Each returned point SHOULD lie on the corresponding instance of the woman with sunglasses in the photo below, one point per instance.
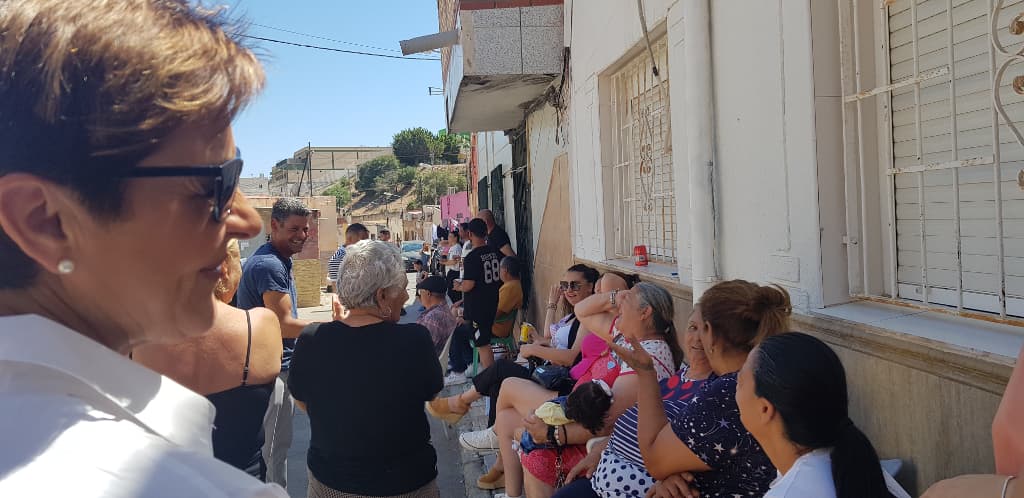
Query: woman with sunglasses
(118, 170)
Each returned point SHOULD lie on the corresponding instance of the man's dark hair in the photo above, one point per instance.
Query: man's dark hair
(478, 227)
(356, 229)
(384, 231)
(512, 265)
(86, 95)
(286, 207)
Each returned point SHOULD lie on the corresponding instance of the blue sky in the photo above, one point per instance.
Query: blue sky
(331, 98)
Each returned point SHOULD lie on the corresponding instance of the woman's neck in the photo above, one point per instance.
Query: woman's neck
(781, 451)
(700, 370)
(729, 362)
(47, 303)
(361, 317)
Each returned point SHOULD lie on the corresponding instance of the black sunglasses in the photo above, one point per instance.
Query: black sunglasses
(225, 179)
(571, 285)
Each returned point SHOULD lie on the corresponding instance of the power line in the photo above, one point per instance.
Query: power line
(325, 38)
(338, 49)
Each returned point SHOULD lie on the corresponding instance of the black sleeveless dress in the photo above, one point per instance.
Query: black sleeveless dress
(238, 426)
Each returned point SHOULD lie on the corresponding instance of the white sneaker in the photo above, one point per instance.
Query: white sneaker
(503, 495)
(482, 440)
(455, 378)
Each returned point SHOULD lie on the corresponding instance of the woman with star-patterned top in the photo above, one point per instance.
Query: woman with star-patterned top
(706, 442)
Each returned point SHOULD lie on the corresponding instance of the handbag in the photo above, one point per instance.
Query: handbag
(553, 377)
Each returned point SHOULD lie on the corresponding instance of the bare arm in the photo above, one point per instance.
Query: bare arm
(597, 314)
(281, 304)
(507, 250)
(664, 453)
(465, 286)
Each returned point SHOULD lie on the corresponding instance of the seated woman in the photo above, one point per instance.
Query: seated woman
(615, 467)
(242, 346)
(707, 437)
(561, 345)
(644, 314)
(554, 347)
(368, 441)
(792, 398)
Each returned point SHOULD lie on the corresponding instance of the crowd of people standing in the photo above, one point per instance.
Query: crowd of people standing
(121, 378)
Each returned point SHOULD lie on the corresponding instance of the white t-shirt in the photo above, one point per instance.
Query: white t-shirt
(81, 420)
(811, 477)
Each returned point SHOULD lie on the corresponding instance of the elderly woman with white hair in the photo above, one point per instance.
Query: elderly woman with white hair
(368, 441)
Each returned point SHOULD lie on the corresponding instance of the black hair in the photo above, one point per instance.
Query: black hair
(286, 207)
(356, 228)
(806, 383)
(511, 265)
(588, 404)
(590, 274)
(456, 234)
(477, 227)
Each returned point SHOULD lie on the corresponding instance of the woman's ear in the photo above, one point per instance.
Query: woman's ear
(381, 296)
(35, 215)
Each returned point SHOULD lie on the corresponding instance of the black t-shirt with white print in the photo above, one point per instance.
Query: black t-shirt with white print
(481, 266)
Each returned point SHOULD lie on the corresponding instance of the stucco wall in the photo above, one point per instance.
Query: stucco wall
(545, 146)
(766, 165)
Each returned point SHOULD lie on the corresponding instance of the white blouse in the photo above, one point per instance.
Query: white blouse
(811, 477)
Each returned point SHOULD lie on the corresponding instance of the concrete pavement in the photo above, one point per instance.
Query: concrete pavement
(457, 469)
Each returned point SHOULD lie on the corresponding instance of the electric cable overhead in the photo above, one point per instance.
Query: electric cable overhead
(324, 38)
(355, 52)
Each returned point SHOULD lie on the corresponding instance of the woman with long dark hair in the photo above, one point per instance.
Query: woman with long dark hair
(792, 398)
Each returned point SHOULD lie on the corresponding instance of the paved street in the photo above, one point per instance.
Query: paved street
(451, 465)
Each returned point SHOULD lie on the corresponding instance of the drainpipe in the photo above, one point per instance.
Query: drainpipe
(700, 141)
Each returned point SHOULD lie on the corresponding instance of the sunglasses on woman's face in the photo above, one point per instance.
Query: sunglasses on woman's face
(571, 285)
(225, 180)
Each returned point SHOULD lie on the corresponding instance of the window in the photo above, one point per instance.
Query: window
(950, 157)
(644, 208)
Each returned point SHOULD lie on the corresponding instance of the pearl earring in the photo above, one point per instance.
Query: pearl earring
(65, 266)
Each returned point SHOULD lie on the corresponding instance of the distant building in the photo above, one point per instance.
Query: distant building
(255, 186)
(321, 166)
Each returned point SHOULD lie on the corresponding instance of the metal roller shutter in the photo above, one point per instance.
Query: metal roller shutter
(959, 209)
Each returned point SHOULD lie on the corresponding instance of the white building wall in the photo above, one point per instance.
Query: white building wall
(542, 129)
(767, 191)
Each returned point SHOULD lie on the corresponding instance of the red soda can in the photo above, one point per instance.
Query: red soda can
(640, 255)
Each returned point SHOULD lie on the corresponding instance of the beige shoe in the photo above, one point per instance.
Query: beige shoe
(438, 408)
(493, 479)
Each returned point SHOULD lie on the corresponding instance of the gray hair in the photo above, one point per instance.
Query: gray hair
(286, 207)
(663, 312)
(660, 302)
(369, 265)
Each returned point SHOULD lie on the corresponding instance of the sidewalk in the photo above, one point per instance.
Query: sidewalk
(457, 469)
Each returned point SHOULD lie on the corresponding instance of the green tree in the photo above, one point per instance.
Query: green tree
(368, 172)
(397, 179)
(341, 191)
(448, 146)
(414, 145)
(433, 183)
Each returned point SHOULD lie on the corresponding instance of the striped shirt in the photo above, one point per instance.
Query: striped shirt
(334, 264)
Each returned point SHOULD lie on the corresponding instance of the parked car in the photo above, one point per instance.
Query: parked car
(411, 252)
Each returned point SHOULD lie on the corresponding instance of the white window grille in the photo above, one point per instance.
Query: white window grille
(644, 193)
(951, 153)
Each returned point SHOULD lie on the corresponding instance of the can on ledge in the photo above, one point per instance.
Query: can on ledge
(640, 255)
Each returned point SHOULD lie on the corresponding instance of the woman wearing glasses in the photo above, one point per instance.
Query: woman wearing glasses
(118, 170)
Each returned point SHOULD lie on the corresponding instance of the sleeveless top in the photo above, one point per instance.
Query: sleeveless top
(238, 425)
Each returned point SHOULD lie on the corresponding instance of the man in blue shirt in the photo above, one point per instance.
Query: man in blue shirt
(267, 282)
